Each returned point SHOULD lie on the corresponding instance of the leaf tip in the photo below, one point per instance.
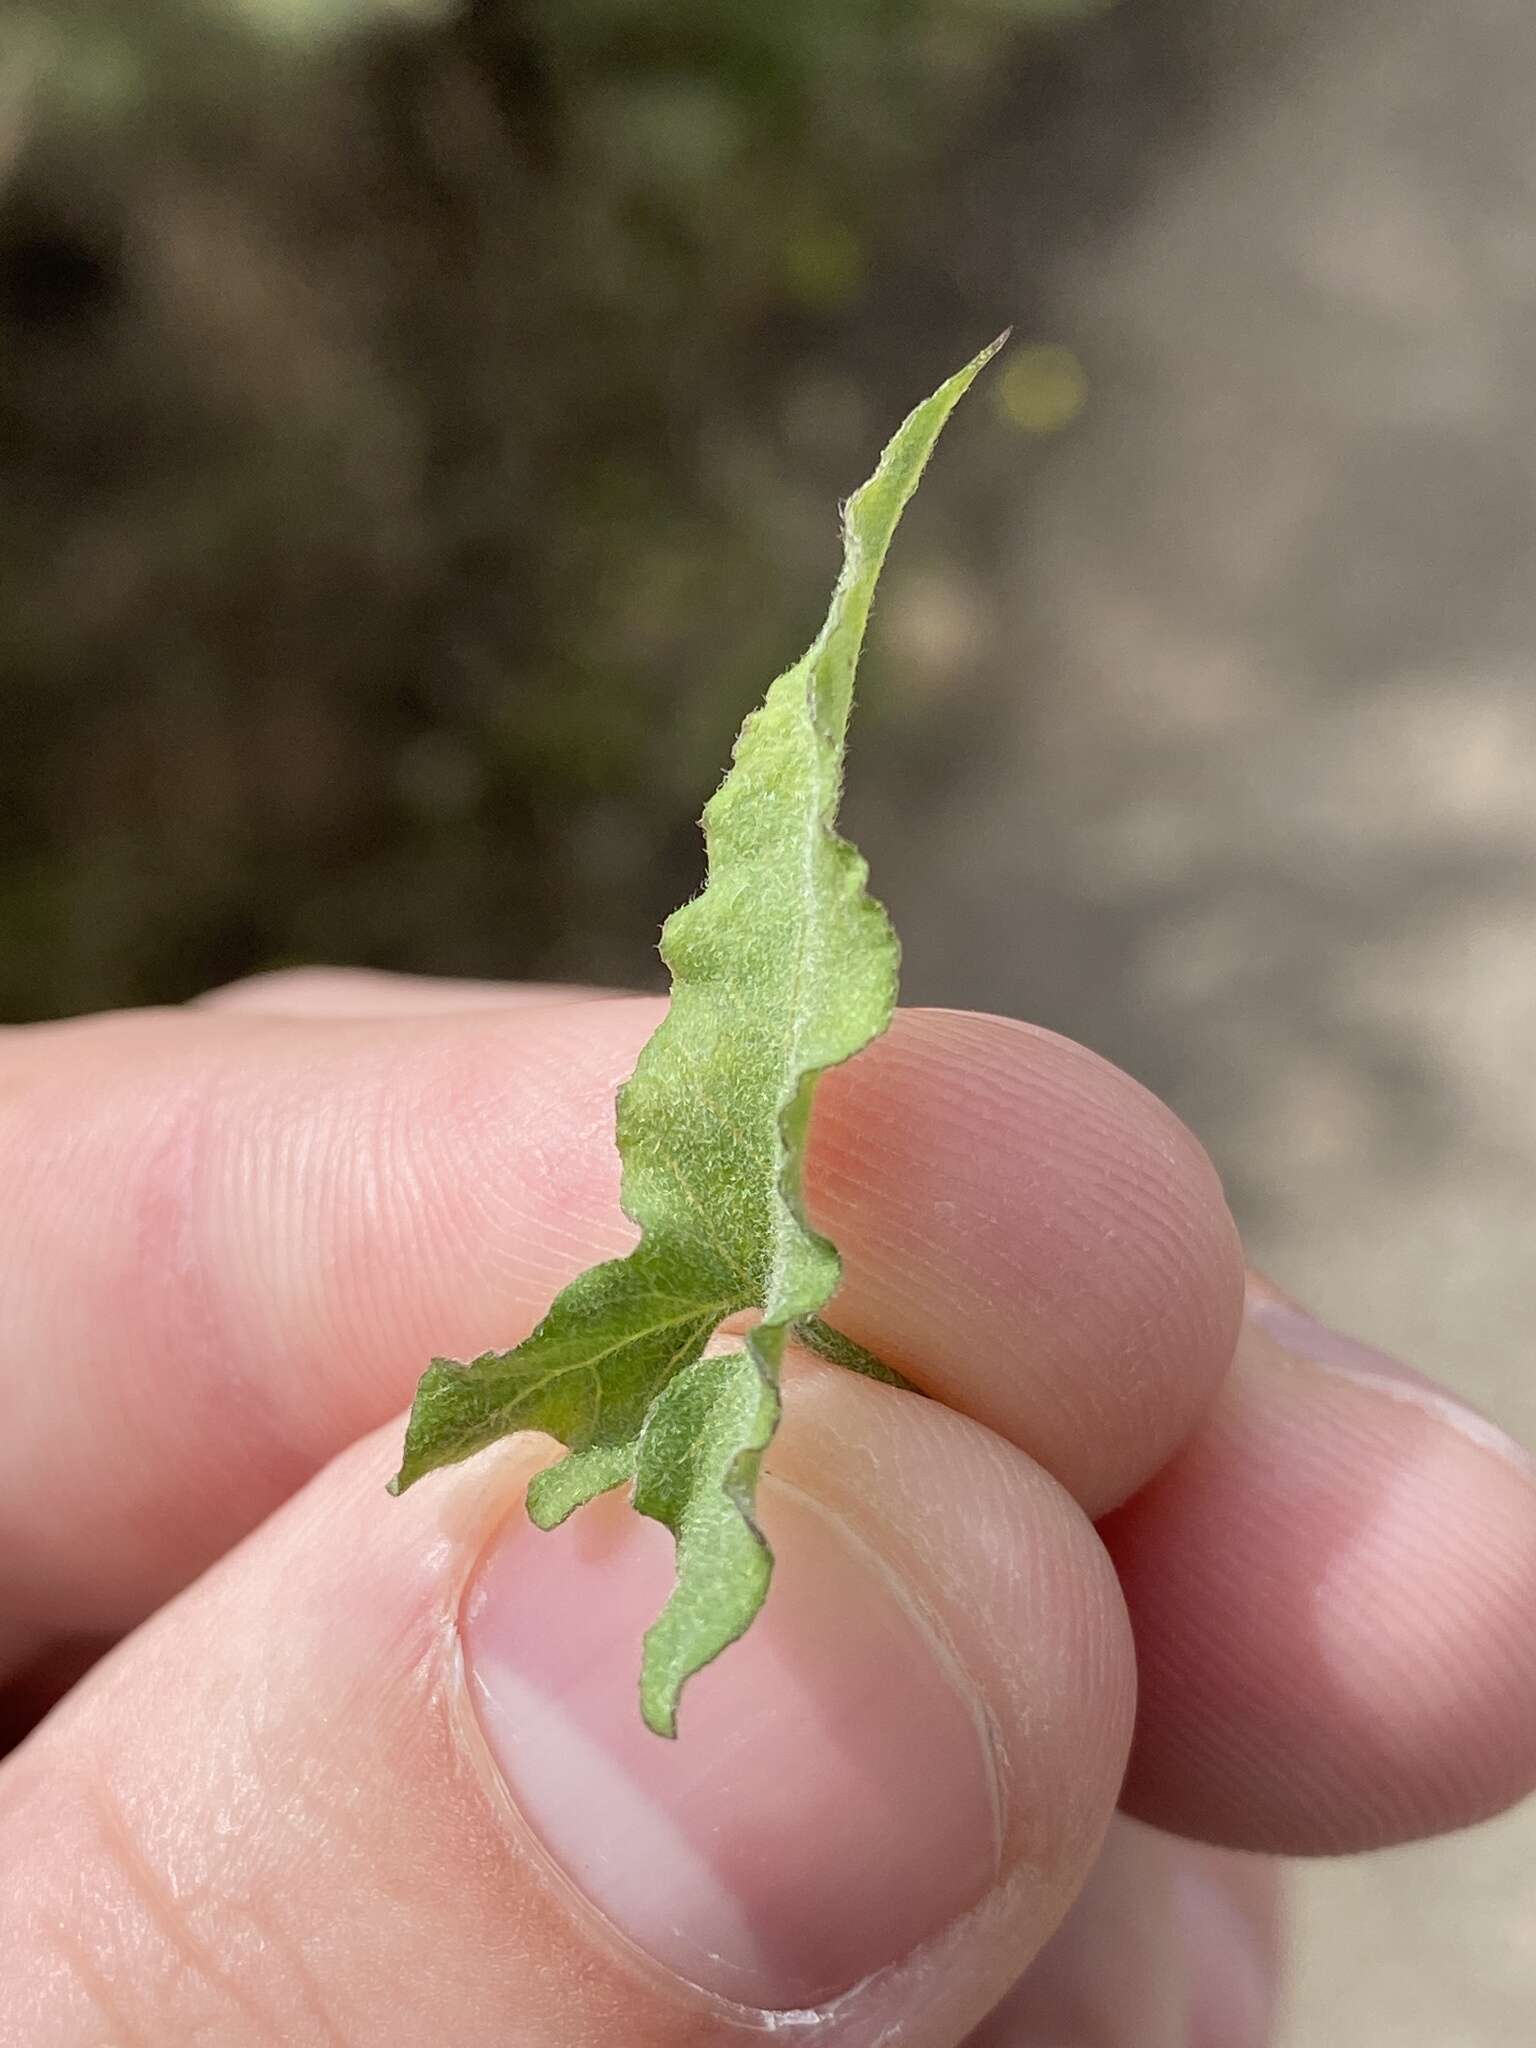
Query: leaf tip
(411, 1469)
(659, 1712)
(965, 377)
(544, 1511)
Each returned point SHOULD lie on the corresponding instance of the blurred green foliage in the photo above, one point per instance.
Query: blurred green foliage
(405, 411)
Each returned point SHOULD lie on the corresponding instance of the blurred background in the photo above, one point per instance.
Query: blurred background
(420, 427)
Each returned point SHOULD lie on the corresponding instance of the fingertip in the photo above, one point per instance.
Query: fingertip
(1332, 1590)
(1227, 1909)
(415, 1725)
(1169, 1945)
(1035, 1237)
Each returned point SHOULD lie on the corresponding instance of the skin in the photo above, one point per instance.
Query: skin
(231, 1235)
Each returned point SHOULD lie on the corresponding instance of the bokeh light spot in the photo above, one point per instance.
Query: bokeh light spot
(1043, 388)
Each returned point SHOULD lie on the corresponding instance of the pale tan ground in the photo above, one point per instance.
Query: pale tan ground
(1258, 816)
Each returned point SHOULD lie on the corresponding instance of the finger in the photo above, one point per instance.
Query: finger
(845, 1182)
(1033, 1238)
(365, 992)
(228, 1245)
(1169, 1945)
(381, 1775)
(1332, 1588)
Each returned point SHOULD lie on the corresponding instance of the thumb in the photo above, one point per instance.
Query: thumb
(380, 1775)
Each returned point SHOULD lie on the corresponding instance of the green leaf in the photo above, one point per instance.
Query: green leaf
(782, 967)
(697, 1472)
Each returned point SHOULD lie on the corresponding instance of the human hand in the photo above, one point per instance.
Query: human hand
(369, 1771)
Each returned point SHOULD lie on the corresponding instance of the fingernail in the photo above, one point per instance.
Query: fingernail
(1302, 1336)
(830, 1802)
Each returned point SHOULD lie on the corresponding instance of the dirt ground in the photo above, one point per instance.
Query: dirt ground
(1246, 793)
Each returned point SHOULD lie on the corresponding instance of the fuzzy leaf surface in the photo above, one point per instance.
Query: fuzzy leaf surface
(783, 966)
